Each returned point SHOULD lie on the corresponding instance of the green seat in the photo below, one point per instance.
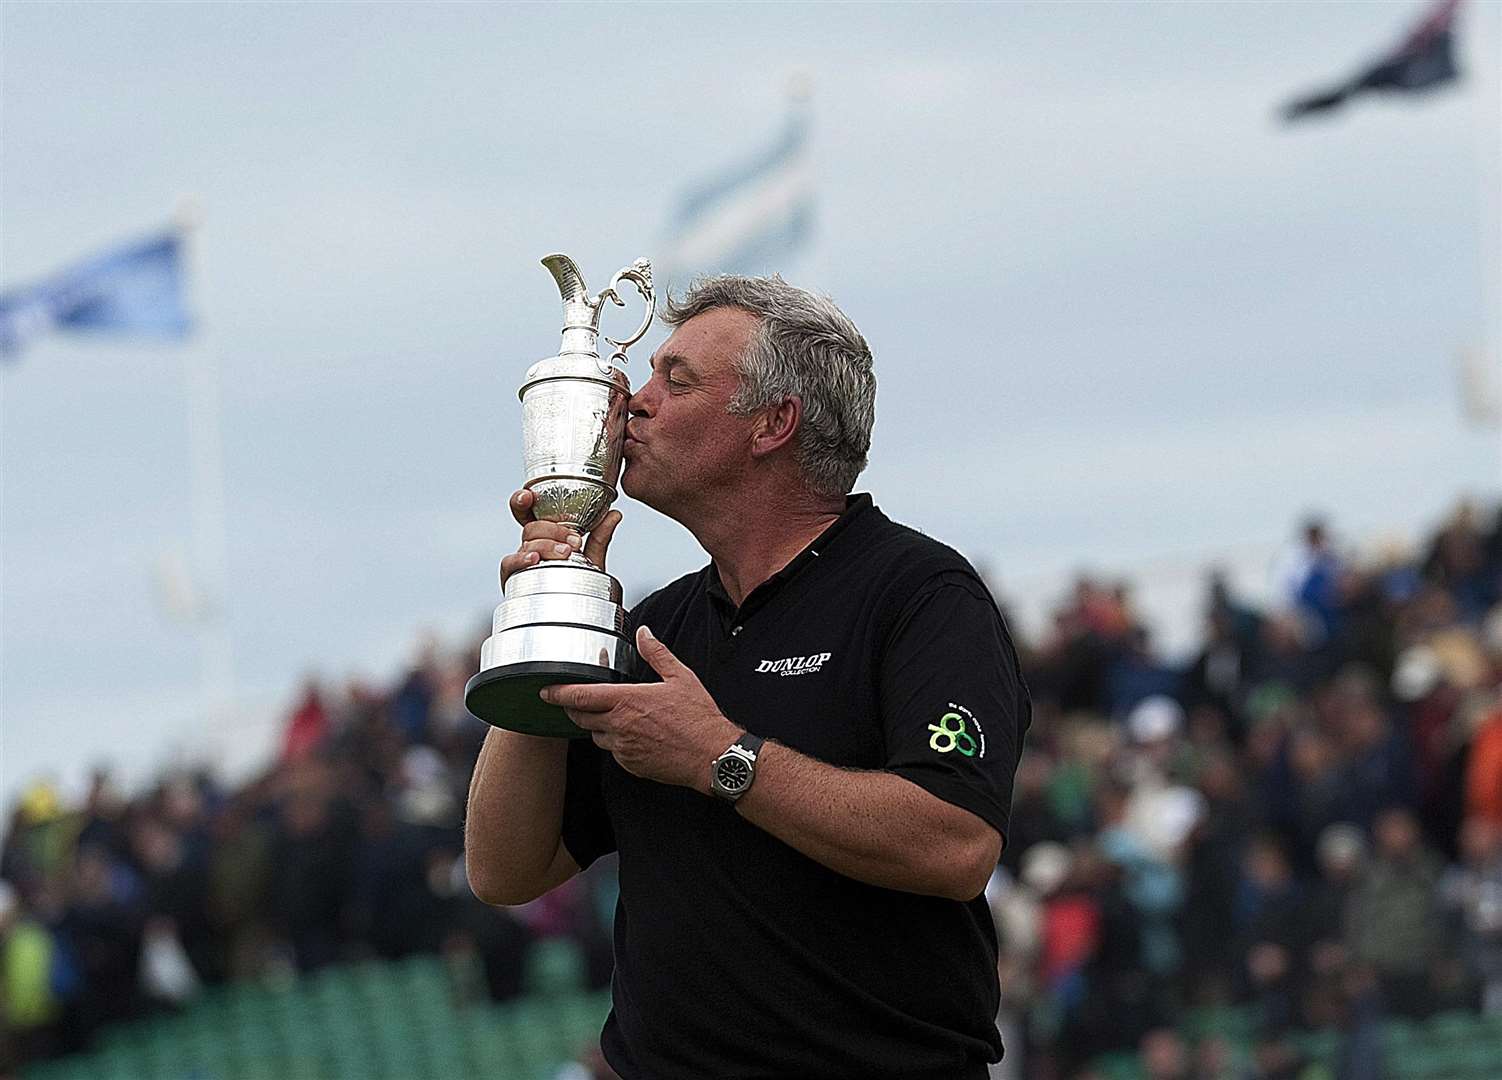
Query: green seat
(555, 966)
(1119, 1065)
(1234, 1022)
(1322, 1046)
(1407, 1060)
(1445, 1026)
(1483, 1053)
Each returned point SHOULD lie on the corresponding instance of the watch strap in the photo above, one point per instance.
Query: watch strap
(750, 743)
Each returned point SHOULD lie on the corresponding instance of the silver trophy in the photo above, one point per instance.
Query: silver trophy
(561, 620)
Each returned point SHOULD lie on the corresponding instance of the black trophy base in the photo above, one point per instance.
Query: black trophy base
(506, 696)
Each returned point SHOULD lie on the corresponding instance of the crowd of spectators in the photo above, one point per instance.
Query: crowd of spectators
(348, 847)
(1306, 818)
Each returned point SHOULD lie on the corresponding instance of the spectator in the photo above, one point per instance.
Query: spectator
(1217, 675)
(313, 859)
(307, 726)
(1342, 856)
(1164, 1056)
(1457, 562)
(1378, 764)
(1471, 897)
(29, 1009)
(237, 894)
(101, 926)
(413, 701)
(1213, 875)
(1392, 921)
(1034, 820)
(1310, 792)
(1274, 1057)
(1308, 579)
(1483, 778)
(1136, 673)
(1268, 930)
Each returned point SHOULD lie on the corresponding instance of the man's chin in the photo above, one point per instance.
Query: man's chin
(629, 482)
(636, 485)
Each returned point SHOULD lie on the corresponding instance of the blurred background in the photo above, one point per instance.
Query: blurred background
(1185, 320)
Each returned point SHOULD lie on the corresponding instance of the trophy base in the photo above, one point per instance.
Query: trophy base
(506, 696)
(560, 622)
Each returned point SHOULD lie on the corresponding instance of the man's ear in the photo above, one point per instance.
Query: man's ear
(776, 426)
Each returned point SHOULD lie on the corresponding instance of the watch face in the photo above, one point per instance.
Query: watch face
(733, 773)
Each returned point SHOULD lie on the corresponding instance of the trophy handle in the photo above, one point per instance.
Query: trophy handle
(639, 274)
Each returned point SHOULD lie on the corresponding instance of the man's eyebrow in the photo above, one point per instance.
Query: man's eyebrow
(673, 360)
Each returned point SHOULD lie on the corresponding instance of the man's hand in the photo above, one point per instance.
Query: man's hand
(669, 731)
(546, 540)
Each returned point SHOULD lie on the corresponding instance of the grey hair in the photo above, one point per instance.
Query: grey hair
(804, 347)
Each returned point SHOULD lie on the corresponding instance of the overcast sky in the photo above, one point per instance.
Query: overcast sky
(1121, 318)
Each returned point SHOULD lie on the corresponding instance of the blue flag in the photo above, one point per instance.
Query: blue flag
(750, 217)
(135, 289)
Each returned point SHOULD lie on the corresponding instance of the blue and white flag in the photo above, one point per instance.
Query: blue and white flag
(751, 218)
(136, 288)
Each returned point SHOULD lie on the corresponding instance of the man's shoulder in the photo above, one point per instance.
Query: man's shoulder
(902, 552)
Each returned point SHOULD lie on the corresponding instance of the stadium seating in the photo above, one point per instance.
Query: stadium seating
(415, 1019)
(406, 1020)
(1449, 1046)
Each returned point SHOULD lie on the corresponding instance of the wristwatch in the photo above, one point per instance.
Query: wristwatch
(732, 772)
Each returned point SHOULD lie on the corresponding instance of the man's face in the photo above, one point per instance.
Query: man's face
(682, 445)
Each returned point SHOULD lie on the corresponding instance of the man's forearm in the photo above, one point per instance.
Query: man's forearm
(876, 827)
(515, 813)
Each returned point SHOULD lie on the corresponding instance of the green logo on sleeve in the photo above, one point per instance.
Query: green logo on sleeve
(950, 734)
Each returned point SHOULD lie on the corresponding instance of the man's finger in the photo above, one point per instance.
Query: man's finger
(599, 540)
(590, 721)
(546, 530)
(521, 505)
(659, 655)
(548, 548)
(584, 697)
(519, 560)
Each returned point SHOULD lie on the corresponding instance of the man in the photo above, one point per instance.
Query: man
(810, 790)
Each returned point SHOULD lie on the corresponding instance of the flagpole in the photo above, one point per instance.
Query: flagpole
(1488, 114)
(206, 473)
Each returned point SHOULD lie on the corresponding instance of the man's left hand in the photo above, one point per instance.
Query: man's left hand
(670, 731)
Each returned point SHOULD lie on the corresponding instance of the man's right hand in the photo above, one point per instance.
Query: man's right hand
(547, 540)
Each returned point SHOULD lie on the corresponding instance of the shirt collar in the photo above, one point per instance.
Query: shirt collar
(856, 507)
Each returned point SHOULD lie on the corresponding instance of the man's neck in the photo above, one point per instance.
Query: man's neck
(757, 536)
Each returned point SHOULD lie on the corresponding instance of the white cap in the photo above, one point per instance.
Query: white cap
(1341, 842)
(1045, 866)
(1416, 673)
(1155, 718)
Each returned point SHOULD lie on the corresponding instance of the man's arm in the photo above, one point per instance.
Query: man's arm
(876, 827)
(512, 829)
(513, 847)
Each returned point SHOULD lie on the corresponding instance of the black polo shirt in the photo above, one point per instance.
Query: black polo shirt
(737, 957)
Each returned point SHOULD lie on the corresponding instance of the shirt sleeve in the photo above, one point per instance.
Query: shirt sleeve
(586, 830)
(955, 708)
